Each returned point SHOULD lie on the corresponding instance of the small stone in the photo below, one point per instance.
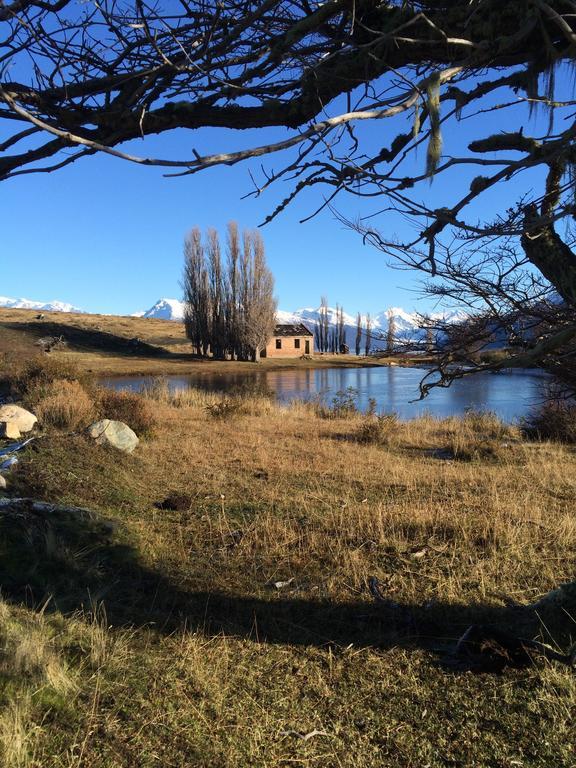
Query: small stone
(22, 418)
(9, 429)
(114, 433)
(2, 483)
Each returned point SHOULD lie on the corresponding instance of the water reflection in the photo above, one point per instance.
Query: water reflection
(510, 395)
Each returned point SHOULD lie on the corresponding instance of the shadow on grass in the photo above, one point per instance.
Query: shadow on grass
(79, 560)
(91, 339)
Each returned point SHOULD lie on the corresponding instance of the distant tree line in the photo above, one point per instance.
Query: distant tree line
(331, 336)
(230, 307)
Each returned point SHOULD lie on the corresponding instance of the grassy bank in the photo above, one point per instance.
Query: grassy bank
(213, 609)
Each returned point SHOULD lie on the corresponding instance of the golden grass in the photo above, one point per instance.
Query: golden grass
(98, 345)
(65, 405)
(219, 667)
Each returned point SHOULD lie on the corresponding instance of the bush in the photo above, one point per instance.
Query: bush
(488, 425)
(555, 420)
(65, 405)
(379, 430)
(227, 408)
(31, 380)
(129, 407)
(342, 406)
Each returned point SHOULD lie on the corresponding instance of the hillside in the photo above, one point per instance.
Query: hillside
(109, 344)
(406, 324)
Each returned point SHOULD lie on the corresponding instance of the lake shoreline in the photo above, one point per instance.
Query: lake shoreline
(207, 367)
(387, 389)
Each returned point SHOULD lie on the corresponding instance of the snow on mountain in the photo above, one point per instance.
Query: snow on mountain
(406, 324)
(166, 309)
(49, 306)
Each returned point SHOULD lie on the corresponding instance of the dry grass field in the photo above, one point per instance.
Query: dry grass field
(213, 609)
(102, 345)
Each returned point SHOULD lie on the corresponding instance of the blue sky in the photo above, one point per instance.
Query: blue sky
(107, 235)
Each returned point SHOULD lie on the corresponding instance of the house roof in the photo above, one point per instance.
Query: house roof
(292, 329)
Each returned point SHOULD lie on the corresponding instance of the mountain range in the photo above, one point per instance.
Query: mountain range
(43, 306)
(406, 324)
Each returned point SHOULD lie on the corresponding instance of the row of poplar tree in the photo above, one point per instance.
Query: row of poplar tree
(230, 306)
(332, 337)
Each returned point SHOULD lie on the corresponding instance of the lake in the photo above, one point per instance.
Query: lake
(511, 395)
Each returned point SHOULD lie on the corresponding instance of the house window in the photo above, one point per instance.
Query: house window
(278, 343)
(296, 343)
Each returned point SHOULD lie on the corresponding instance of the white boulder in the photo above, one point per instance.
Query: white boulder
(20, 417)
(114, 433)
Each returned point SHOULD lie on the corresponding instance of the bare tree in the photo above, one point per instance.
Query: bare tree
(233, 289)
(195, 310)
(323, 326)
(390, 333)
(342, 346)
(358, 333)
(218, 340)
(260, 309)
(229, 312)
(368, 340)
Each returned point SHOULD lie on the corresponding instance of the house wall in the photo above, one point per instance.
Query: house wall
(288, 348)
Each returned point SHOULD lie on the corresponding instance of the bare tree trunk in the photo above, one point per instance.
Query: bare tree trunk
(550, 254)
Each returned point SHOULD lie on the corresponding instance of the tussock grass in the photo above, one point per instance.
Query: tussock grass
(64, 405)
(30, 379)
(224, 632)
(128, 407)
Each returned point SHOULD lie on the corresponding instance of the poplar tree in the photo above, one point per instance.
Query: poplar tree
(368, 343)
(390, 333)
(358, 333)
(230, 308)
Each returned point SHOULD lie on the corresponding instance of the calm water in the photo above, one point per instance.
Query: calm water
(510, 395)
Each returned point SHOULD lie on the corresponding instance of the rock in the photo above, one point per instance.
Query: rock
(2, 483)
(9, 429)
(115, 433)
(22, 418)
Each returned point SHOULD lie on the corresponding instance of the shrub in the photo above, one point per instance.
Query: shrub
(31, 380)
(226, 408)
(554, 420)
(379, 430)
(130, 407)
(342, 406)
(488, 425)
(65, 405)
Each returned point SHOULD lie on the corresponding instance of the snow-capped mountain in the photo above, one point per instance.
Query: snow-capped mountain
(43, 306)
(165, 309)
(406, 325)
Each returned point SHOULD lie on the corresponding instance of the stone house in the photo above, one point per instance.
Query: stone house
(289, 340)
